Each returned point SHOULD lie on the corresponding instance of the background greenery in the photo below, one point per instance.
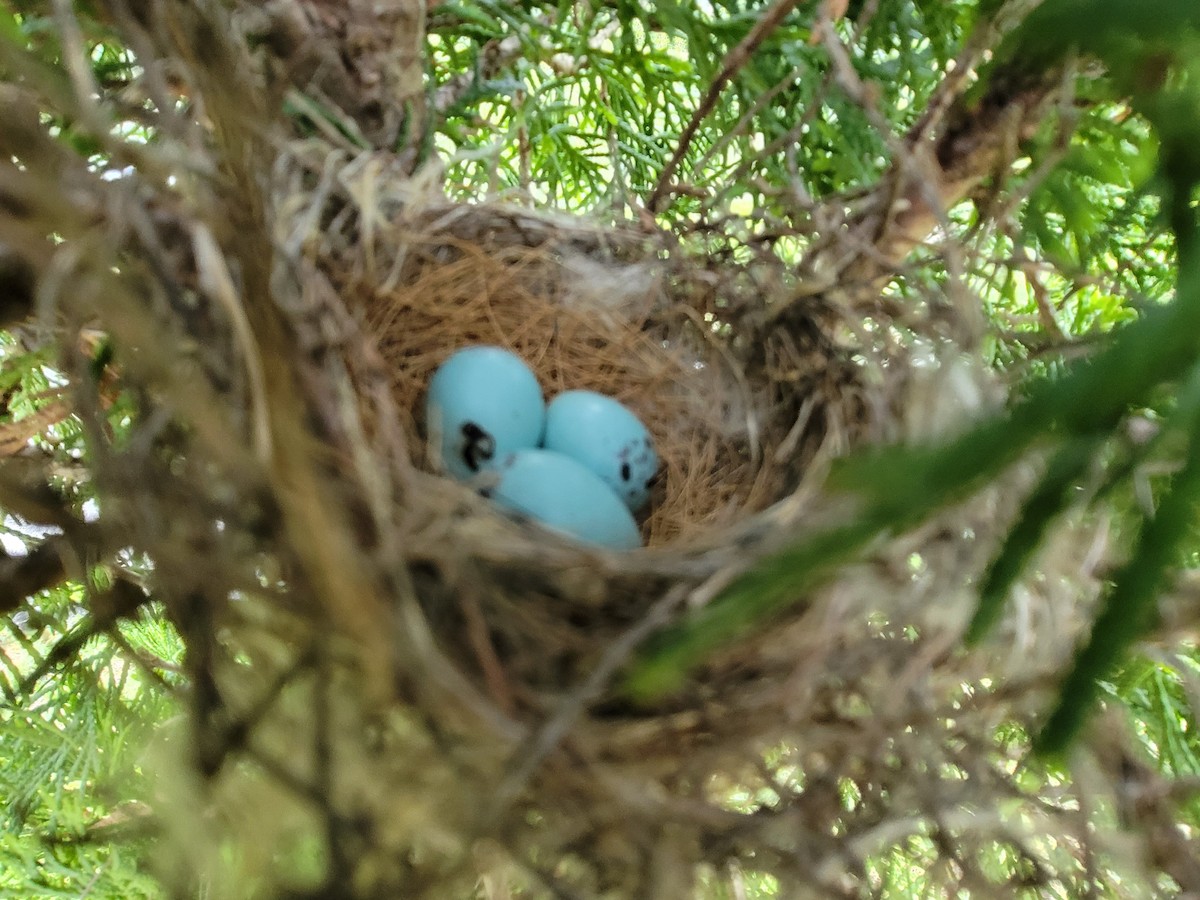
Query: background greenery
(578, 105)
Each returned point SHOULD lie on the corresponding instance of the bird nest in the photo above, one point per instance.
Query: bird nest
(395, 690)
(749, 395)
(586, 324)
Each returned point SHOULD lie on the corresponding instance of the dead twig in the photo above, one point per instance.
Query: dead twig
(734, 60)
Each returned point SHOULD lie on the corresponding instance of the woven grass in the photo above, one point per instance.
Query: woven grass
(576, 334)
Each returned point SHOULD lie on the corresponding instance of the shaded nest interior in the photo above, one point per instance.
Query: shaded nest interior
(607, 327)
(748, 390)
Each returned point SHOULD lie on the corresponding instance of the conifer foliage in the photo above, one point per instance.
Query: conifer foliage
(918, 617)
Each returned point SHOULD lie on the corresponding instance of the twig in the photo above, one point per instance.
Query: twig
(217, 281)
(529, 755)
(21, 576)
(77, 62)
(734, 60)
(744, 122)
(480, 640)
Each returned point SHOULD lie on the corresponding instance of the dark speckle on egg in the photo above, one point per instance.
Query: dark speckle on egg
(478, 446)
(626, 472)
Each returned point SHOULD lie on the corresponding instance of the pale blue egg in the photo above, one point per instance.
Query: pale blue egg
(607, 438)
(483, 404)
(561, 494)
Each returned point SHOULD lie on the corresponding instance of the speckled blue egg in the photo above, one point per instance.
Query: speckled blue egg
(607, 438)
(483, 404)
(562, 494)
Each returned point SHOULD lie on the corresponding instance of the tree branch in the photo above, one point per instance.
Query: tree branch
(22, 576)
(734, 60)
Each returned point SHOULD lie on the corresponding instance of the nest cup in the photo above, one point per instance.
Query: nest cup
(584, 325)
(741, 386)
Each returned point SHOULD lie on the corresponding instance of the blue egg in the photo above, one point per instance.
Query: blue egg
(607, 438)
(562, 494)
(484, 404)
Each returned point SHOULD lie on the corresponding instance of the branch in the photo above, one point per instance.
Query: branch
(16, 288)
(939, 163)
(22, 576)
(734, 60)
(365, 57)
